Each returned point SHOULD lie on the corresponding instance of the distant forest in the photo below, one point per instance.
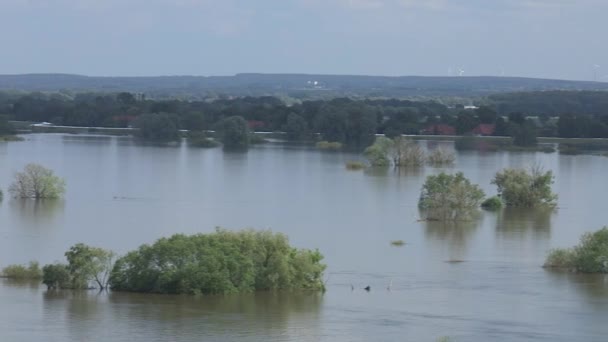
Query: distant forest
(552, 113)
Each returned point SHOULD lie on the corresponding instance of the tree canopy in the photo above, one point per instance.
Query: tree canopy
(37, 182)
(156, 127)
(448, 197)
(234, 132)
(221, 262)
(525, 188)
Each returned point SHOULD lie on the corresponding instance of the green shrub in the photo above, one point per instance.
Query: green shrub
(560, 258)
(221, 262)
(450, 197)
(377, 153)
(398, 243)
(56, 276)
(589, 256)
(523, 188)
(355, 165)
(492, 203)
(441, 157)
(22, 272)
(330, 146)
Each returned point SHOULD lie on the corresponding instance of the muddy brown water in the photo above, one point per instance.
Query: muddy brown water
(122, 194)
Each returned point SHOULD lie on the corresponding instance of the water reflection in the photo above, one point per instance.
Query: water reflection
(520, 222)
(591, 287)
(256, 316)
(35, 212)
(452, 237)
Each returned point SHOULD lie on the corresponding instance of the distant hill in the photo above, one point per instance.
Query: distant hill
(295, 85)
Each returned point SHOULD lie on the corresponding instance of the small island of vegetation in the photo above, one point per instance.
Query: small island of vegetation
(217, 263)
(590, 256)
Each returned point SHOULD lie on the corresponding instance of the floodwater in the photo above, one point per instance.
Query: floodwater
(121, 194)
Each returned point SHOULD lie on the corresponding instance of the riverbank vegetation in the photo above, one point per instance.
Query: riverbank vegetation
(37, 182)
(350, 122)
(221, 262)
(447, 197)
(403, 152)
(589, 256)
(526, 188)
(23, 272)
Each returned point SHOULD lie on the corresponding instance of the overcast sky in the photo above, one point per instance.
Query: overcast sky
(534, 38)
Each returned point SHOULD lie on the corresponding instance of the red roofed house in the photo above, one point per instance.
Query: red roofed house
(439, 129)
(484, 129)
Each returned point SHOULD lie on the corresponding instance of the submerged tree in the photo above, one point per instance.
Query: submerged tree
(450, 197)
(398, 151)
(407, 153)
(86, 266)
(37, 182)
(590, 256)
(221, 262)
(525, 188)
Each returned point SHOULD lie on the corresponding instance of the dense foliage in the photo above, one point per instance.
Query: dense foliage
(525, 188)
(22, 272)
(221, 262)
(449, 197)
(492, 203)
(522, 116)
(590, 256)
(234, 133)
(87, 267)
(156, 127)
(37, 182)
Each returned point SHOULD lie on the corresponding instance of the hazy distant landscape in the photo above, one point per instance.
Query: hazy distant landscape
(293, 85)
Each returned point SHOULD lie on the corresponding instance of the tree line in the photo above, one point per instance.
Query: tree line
(351, 122)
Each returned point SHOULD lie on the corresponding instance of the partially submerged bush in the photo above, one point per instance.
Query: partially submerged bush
(37, 182)
(492, 203)
(23, 272)
(523, 188)
(221, 262)
(407, 153)
(329, 145)
(377, 154)
(589, 256)
(355, 165)
(441, 157)
(56, 276)
(400, 151)
(450, 197)
(398, 243)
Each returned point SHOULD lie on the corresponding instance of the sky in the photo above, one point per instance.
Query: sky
(562, 39)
